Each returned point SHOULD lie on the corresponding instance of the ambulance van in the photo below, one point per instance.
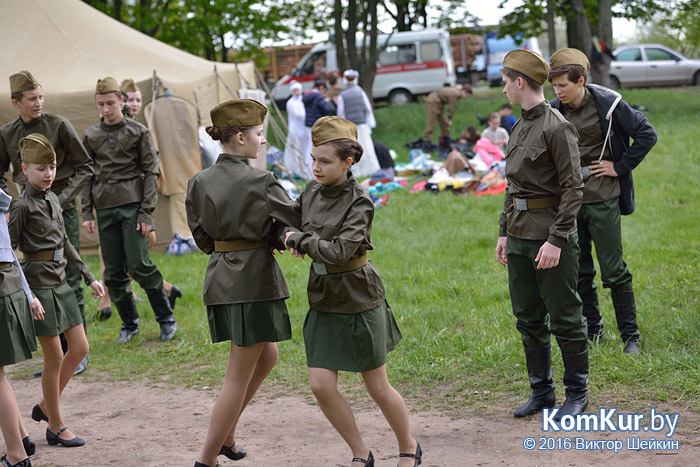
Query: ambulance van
(410, 64)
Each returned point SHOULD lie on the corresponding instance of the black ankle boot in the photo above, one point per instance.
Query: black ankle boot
(626, 315)
(539, 370)
(576, 382)
(164, 313)
(130, 319)
(594, 320)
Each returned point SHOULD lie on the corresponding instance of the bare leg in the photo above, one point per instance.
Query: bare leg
(104, 301)
(10, 421)
(77, 349)
(324, 385)
(266, 362)
(241, 366)
(394, 409)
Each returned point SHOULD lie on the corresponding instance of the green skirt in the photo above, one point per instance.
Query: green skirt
(61, 310)
(350, 342)
(17, 339)
(246, 324)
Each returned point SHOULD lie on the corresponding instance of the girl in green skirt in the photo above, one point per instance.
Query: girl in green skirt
(17, 342)
(236, 214)
(36, 227)
(350, 325)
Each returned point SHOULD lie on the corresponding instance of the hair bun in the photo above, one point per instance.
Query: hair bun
(214, 132)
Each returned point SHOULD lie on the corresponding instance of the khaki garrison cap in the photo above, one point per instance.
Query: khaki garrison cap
(128, 85)
(563, 57)
(332, 128)
(528, 63)
(238, 113)
(22, 81)
(107, 85)
(37, 149)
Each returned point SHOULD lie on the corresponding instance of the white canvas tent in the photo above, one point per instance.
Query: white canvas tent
(68, 46)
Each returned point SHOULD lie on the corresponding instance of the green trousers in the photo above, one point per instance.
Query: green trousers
(599, 223)
(71, 221)
(124, 251)
(545, 300)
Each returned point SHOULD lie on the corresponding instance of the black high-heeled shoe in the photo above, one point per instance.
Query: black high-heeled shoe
(38, 414)
(5, 463)
(231, 454)
(369, 462)
(418, 456)
(199, 464)
(29, 445)
(54, 438)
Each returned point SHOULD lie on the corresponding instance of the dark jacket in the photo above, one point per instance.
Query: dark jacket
(315, 106)
(622, 122)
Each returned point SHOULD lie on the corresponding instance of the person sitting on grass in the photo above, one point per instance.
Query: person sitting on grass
(495, 133)
(36, 228)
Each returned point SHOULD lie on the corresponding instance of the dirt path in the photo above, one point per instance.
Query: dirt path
(136, 424)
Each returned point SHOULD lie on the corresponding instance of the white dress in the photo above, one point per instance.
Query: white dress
(369, 164)
(298, 146)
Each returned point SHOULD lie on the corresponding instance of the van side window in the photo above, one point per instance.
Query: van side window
(395, 54)
(314, 64)
(430, 51)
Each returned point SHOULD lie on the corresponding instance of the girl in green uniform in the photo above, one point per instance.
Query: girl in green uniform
(350, 325)
(36, 227)
(236, 213)
(17, 342)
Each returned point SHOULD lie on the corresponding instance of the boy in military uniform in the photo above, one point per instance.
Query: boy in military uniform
(123, 192)
(605, 124)
(73, 165)
(537, 236)
(435, 108)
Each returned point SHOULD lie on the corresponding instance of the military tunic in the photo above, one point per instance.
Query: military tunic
(73, 170)
(349, 325)
(123, 192)
(436, 102)
(17, 338)
(542, 161)
(244, 290)
(36, 226)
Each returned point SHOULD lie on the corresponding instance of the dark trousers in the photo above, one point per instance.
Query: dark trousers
(125, 250)
(545, 301)
(599, 224)
(71, 221)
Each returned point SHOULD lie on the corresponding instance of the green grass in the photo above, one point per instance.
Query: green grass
(461, 351)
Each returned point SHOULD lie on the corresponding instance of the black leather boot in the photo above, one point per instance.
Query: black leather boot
(626, 315)
(539, 371)
(164, 313)
(594, 320)
(130, 319)
(576, 382)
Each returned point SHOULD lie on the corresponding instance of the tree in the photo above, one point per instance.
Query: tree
(585, 20)
(202, 27)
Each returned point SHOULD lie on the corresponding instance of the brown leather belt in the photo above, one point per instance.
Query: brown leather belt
(238, 245)
(354, 263)
(44, 255)
(3, 264)
(60, 183)
(535, 203)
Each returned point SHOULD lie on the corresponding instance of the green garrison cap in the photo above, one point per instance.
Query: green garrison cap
(22, 81)
(238, 113)
(128, 85)
(331, 128)
(107, 85)
(37, 149)
(564, 57)
(528, 63)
